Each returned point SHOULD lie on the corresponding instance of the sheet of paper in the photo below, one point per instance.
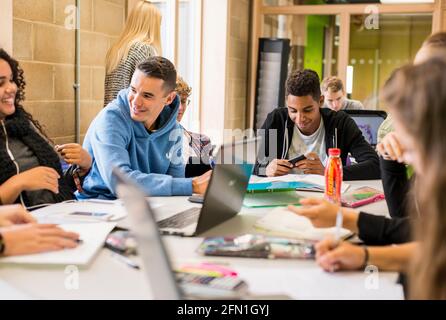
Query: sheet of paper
(282, 222)
(309, 281)
(93, 236)
(59, 213)
(9, 292)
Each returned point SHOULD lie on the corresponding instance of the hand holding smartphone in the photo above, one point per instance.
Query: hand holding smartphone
(295, 160)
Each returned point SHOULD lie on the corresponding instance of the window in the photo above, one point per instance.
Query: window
(314, 40)
(181, 43)
(333, 39)
(373, 59)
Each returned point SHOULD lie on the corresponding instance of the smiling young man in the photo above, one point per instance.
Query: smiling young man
(138, 133)
(305, 128)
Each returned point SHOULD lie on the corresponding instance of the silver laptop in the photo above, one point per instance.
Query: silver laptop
(163, 282)
(224, 195)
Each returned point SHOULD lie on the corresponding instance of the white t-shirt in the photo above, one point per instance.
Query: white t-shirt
(302, 144)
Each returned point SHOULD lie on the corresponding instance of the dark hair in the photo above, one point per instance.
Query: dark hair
(18, 78)
(160, 68)
(416, 96)
(303, 83)
(437, 40)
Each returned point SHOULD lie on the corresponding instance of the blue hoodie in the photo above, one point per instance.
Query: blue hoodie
(152, 160)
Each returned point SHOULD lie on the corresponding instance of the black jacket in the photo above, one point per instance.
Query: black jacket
(350, 140)
(18, 126)
(379, 230)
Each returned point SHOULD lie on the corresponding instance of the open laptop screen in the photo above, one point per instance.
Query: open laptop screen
(368, 121)
(150, 246)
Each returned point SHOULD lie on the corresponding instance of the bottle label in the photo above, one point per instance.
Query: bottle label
(333, 180)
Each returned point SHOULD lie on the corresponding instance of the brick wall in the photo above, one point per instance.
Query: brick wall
(46, 50)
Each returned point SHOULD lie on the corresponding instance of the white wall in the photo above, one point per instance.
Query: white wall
(6, 25)
(214, 53)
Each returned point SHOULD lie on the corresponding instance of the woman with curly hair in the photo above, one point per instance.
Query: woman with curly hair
(30, 171)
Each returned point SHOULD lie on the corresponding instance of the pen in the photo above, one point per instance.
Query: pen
(339, 219)
(125, 260)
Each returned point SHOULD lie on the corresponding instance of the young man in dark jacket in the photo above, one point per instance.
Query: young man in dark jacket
(304, 128)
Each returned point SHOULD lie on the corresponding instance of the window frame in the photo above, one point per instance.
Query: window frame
(173, 53)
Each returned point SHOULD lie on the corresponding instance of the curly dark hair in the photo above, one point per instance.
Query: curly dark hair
(18, 78)
(302, 83)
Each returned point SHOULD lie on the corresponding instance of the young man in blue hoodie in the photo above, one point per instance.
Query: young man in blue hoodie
(138, 133)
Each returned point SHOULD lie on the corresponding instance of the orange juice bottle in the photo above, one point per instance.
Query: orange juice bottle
(333, 176)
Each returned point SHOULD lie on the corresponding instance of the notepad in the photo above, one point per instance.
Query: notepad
(284, 223)
(93, 237)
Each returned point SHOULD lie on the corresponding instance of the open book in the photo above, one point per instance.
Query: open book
(284, 223)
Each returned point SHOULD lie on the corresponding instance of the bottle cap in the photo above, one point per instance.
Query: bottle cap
(334, 152)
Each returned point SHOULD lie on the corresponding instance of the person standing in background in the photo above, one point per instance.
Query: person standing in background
(140, 40)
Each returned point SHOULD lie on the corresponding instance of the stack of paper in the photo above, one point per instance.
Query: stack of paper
(284, 223)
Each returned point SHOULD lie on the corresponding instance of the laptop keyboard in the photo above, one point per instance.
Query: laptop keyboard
(181, 220)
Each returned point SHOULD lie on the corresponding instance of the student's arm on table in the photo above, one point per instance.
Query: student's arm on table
(347, 256)
(372, 229)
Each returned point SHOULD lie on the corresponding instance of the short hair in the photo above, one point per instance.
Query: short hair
(160, 68)
(437, 40)
(182, 88)
(334, 84)
(302, 83)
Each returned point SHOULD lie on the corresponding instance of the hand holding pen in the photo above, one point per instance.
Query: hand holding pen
(334, 256)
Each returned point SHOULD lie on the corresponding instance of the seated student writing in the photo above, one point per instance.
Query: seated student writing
(304, 127)
(416, 98)
(139, 133)
(30, 170)
(378, 230)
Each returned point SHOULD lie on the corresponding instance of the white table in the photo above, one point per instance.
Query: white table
(108, 278)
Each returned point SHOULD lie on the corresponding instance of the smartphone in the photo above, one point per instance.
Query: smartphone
(297, 159)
